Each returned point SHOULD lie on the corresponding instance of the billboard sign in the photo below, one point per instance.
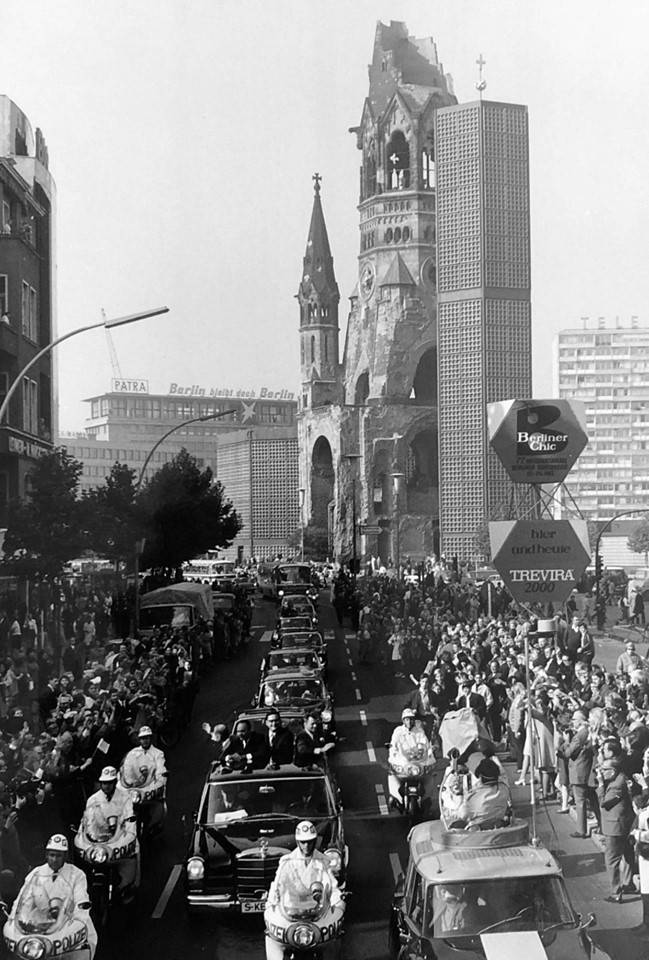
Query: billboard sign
(537, 441)
(540, 560)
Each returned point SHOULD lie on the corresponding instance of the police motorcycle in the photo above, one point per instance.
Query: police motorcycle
(302, 923)
(104, 846)
(46, 922)
(148, 793)
(410, 772)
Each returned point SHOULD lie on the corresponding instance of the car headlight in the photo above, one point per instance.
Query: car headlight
(195, 868)
(280, 593)
(326, 716)
(414, 770)
(303, 936)
(33, 948)
(98, 854)
(335, 859)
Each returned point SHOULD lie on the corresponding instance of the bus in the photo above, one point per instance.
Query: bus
(205, 571)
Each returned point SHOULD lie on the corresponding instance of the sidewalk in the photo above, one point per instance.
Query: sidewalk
(583, 866)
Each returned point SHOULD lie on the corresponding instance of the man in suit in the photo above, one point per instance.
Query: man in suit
(246, 744)
(617, 819)
(578, 751)
(311, 744)
(280, 742)
(467, 698)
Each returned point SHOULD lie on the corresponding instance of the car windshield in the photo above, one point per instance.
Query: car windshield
(282, 691)
(474, 907)
(295, 623)
(45, 905)
(301, 640)
(240, 799)
(283, 659)
(296, 574)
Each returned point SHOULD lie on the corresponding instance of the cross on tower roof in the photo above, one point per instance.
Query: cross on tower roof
(316, 180)
(481, 84)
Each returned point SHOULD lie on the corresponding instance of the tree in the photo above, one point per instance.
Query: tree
(45, 531)
(183, 512)
(316, 541)
(110, 515)
(639, 539)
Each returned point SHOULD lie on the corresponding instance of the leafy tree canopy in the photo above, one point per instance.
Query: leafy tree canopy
(43, 532)
(183, 513)
(639, 538)
(110, 517)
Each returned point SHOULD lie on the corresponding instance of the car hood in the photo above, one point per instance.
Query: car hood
(566, 945)
(211, 841)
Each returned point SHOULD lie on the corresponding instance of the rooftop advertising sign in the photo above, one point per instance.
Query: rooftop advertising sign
(537, 441)
(540, 560)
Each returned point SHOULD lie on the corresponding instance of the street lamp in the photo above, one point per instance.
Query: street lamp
(138, 548)
(302, 493)
(108, 324)
(353, 458)
(396, 481)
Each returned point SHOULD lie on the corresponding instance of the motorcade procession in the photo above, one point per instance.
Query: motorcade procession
(489, 705)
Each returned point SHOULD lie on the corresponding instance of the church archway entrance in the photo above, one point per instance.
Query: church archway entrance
(424, 385)
(422, 474)
(322, 482)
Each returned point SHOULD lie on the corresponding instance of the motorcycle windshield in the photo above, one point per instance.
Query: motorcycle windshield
(305, 901)
(98, 827)
(416, 751)
(45, 905)
(135, 774)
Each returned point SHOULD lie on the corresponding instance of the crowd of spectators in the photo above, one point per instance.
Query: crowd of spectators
(584, 736)
(72, 698)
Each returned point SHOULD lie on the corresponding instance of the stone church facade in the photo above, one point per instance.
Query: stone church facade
(369, 424)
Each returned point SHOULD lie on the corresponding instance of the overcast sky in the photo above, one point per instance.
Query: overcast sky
(183, 135)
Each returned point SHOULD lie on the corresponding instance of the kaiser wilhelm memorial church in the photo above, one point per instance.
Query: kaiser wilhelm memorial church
(394, 434)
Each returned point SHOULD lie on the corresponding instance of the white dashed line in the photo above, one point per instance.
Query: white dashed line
(363, 717)
(382, 802)
(395, 863)
(354, 677)
(161, 905)
(358, 694)
(350, 661)
(370, 751)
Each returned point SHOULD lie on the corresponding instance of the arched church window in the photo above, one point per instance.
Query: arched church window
(324, 313)
(388, 235)
(302, 352)
(398, 154)
(397, 234)
(312, 349)
(406, 234)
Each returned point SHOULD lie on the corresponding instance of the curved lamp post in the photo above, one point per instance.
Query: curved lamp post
(108, 324)
(138, 547)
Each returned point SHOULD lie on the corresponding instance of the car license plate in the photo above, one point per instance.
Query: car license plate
(253, 906)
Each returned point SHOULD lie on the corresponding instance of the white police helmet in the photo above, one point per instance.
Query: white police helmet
(108, 774)
(305, 831)
(145, 731)
(57, 843)
(408, 712)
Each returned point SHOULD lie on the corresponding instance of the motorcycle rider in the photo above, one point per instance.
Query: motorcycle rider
(109, 816)
(47, 887)
(144, 769)
(306, 871)
(408, 743)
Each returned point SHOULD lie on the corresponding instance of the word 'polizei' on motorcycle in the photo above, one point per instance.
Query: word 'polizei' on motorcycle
(411, 761)
(50, 916)
(305, 907)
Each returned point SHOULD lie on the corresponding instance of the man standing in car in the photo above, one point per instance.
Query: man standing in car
(311, 744)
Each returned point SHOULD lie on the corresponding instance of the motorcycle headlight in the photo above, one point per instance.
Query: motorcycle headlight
(280, 593)
(303, 936)
(414, 770)
(136, 796)
(195, 868)
(32, 948)
(98, 854)
(326, 716)
(334, 858)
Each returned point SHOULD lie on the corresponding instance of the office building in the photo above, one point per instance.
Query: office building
(607, 367)
(27, 299)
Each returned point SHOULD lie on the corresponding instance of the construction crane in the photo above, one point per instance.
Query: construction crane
(114, 362)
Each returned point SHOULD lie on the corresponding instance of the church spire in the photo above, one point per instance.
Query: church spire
(318, 264)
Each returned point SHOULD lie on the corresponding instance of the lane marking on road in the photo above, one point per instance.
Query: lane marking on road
(395, 863)
(382, 802)
(161, 905)
(370, 751)
(350, 661)
(363, 717)
(265, 637)
(358, 694)
(350, 636)
(354, 677)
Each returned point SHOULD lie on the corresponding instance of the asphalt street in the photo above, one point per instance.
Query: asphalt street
(368, 705)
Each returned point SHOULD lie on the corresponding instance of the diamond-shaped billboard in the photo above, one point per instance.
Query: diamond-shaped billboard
(540, 560)
(537, 441)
